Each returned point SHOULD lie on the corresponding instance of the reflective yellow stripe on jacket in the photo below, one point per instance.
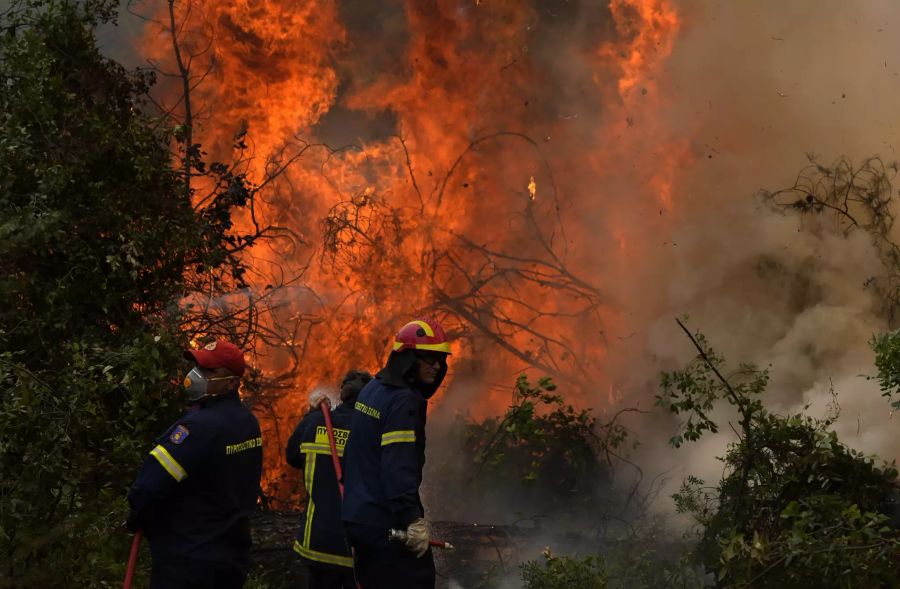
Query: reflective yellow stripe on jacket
(310, 448)
(170, 464)
(398, 436)
(344, 561)
(310, 472)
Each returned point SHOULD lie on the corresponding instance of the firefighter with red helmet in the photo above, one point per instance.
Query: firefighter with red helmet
(384, 459)
(195, 492)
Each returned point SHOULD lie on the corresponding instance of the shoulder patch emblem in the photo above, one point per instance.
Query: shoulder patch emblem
(211, 346)
(179, 434)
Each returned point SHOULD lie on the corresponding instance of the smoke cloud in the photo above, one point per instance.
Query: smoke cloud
(652, 128)
(754, 87)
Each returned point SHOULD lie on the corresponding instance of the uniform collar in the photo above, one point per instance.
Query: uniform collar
(219, 399)
(392, 379)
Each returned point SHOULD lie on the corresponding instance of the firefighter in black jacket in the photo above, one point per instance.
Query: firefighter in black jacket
(320, 541)
(195, 492)
(384, 460)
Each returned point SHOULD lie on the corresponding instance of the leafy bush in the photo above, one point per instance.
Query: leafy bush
(887, 362)
(540, 437)
(96, 236)
(795, 507)
(563, 572)
(542, 456)
(649, 555)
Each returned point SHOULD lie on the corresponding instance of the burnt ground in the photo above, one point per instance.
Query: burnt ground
(482, 552)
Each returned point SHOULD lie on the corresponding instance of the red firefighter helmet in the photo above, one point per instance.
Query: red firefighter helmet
(422, 334)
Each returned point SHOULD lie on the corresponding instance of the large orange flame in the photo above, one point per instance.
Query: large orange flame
(485, 161)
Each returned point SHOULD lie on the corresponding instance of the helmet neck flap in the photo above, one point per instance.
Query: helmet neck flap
(400, 371)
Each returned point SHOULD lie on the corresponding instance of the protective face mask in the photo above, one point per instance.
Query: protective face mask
(197, 385)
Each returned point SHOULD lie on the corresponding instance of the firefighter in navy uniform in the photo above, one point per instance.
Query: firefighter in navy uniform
(384, 460)
(195, 492)
(320, 541)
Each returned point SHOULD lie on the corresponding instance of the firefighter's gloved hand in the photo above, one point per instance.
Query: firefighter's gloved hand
(317, 396)
(417, 537)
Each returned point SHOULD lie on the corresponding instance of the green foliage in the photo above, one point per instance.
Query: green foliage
(809, 510)
(563, 572)
(648, 556)
(887, 362)
(795, 507)
(70, 444)
(644, 558)
(695, 498)
(97, 234)
(825, 539)
(544, 443)
(695, 390)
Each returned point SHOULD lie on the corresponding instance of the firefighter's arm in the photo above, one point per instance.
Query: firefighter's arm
(399, 460)
(179, 452)
(292, 453)
(149, 490)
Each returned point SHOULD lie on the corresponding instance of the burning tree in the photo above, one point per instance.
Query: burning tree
(513, 299)
(419, 176)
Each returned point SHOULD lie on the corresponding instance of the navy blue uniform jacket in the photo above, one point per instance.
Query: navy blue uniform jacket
(321, 537)
(385, 456)
(195, 492)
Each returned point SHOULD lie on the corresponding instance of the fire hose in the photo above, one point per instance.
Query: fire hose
(326, 411)
(395, 535)
(132, 559)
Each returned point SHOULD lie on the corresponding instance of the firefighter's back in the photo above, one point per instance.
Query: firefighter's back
(320, 538)
(206, 517)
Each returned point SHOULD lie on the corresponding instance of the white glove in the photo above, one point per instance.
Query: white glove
(317, 396)
(417, 537)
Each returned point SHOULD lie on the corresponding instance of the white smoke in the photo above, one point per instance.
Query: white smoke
(757, 86)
